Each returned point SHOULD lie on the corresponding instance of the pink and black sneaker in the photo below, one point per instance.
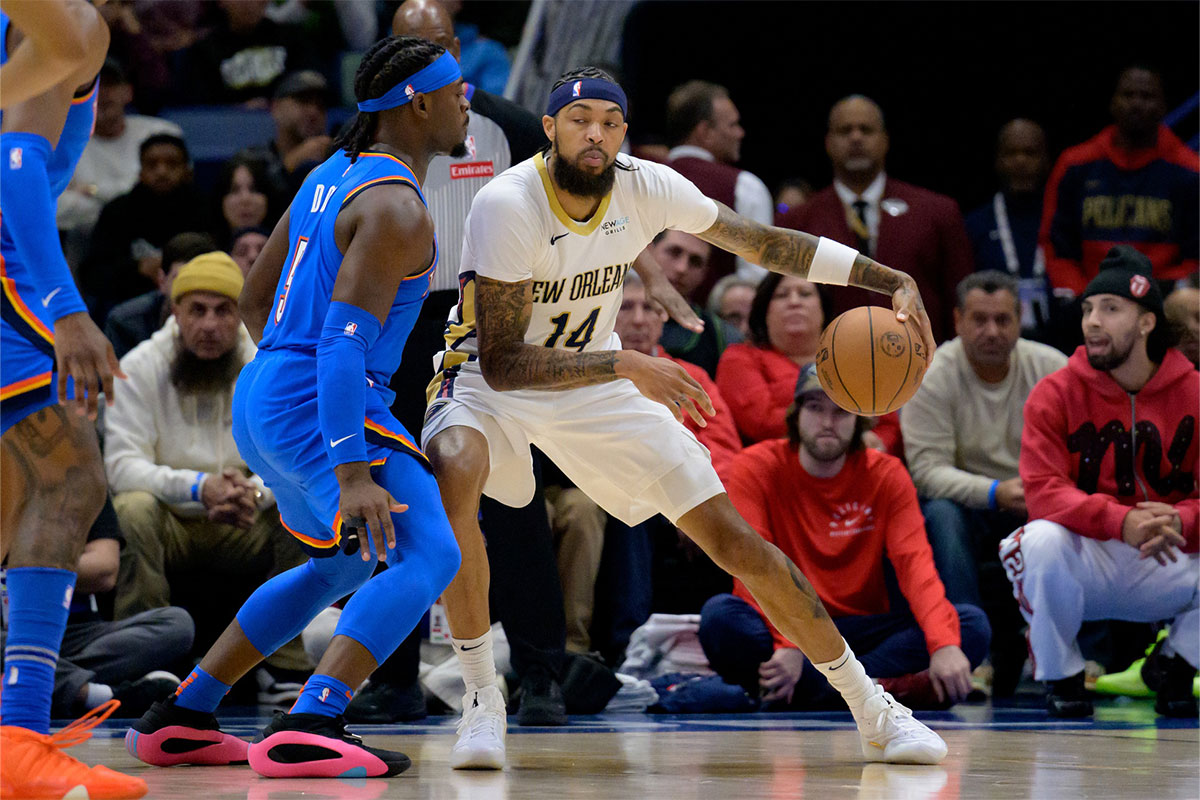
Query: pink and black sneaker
(167, 735)
(316, 746)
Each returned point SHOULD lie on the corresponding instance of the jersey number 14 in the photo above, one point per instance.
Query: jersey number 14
(579, 337)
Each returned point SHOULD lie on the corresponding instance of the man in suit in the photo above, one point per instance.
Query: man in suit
(896, 223)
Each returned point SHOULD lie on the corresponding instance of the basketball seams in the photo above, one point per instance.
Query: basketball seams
(907, 369)
(838, 372)
(871, 346)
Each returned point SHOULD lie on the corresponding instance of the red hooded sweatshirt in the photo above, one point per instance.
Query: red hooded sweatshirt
(1090, 450)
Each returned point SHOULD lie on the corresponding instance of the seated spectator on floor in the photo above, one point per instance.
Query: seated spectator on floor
(1004, 231)
(1108, 462)
(108, 166)
(101, 660)
(841, 512)
(962, 439)
(245, 244)
(684, 260)
(125, 257)
(757, 377)
(1182, 309)
(244, 199)
(243, 57)
(132, 322)
(300, 110)
(183, 495)
(730, 300)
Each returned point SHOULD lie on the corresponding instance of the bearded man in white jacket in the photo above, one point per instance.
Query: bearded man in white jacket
(184, 497)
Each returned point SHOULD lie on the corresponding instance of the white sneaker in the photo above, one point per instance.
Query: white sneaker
(481, 731)
(890, 733)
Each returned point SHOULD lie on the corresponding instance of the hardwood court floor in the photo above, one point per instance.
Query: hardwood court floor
(994, 753)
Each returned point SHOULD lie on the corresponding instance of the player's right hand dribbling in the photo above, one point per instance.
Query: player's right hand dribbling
(365, 502)
(84, 354)
(664, 381)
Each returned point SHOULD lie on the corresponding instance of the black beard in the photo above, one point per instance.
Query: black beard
(579, 183)
(1111, 360)
(191, 374)
(459, 150)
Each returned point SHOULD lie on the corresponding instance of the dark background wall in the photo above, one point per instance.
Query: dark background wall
(947, 74)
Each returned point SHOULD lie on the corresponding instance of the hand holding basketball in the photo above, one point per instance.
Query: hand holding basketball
(909, 307)
(870, 363)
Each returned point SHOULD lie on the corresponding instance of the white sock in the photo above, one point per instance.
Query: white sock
(97, 693)
(847, 675)
(478, 663)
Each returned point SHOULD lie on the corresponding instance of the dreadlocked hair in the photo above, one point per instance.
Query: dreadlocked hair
(579, 73)
(388, 62)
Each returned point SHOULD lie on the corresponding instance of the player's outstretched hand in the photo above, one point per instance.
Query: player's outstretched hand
(366, 504)
(664, 381)
(84, 355)
(908, 305)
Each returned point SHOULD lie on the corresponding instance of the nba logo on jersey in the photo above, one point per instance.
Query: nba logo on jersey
(409, 91)
(14, 158)
(324, 694)
(351, 327)
(576, 89)
(471, 146)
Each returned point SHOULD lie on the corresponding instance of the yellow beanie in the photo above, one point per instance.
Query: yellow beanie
(212, 272)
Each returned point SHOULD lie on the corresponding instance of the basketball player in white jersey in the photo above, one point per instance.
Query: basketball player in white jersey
(531, 358)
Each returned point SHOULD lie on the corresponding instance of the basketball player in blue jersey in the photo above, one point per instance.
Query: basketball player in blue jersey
(53, 479)
(331, 300)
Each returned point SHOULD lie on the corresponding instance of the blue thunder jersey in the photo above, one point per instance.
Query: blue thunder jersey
(28, 335)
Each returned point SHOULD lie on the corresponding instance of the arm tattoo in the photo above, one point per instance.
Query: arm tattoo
(789, 252)
(508, 363)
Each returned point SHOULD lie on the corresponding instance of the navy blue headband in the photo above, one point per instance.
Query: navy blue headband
(443, 71)
(586, 89)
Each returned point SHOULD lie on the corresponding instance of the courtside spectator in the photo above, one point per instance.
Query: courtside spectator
(1182, 308)
(1134, 182)
(904, 226)
(1108, 463)
(730, 300)
(962, 439)
(840, 511)
(125, 257)
(1004, 231)
(300, 110)
(705, 133)
(685, 260)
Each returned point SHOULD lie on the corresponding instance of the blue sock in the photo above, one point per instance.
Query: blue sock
(324, 695)
(39, 600)
(200, 692)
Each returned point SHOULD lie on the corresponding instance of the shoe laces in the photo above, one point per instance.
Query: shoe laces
(77, 732)
(476, 720)
(899, 715)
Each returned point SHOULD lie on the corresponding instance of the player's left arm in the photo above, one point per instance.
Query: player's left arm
(258, 292)
(61, 41)
(792, 253)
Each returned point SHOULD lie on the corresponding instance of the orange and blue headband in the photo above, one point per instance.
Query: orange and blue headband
(442, 71)
(586, 89)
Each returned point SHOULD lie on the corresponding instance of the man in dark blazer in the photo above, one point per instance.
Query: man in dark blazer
(901, 225)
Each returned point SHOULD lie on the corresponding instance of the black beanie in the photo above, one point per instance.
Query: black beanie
(1128, 273)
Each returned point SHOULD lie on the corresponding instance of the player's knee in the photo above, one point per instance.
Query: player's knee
(337, 575)
(442, 556)
(460, 464)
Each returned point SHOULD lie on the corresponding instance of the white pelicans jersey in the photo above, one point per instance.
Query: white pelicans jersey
(518, 231)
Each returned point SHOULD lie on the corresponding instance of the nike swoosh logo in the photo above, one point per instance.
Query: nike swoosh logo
(46, 300)
(554, 239)
(476, 647)
(332, 443)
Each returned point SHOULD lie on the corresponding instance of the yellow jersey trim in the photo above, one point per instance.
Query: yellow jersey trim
(581, 228)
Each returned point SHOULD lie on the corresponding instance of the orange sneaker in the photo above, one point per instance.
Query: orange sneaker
(34, 766)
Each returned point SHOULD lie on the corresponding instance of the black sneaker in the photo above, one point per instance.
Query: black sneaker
(137, 696)
(167, 735)
(381, 703)
(1170, 677)
(1067, 698)
(541, 702)
(316, 746)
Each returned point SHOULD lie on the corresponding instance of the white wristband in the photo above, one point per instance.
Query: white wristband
(832, 262)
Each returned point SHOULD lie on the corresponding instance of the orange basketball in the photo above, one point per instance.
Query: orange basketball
(869, 363)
